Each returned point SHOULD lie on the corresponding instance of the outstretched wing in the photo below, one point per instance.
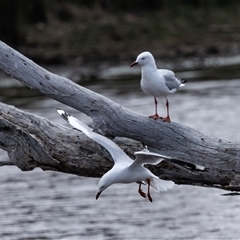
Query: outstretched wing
(116, 152)
(146, 157)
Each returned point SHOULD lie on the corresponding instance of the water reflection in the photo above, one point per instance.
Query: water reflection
(49, 205)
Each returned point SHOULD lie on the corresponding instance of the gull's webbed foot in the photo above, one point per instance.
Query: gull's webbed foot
(155, 116)
(166, 119)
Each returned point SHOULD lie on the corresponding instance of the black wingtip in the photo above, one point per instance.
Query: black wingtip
(63, 114)
(181, 81)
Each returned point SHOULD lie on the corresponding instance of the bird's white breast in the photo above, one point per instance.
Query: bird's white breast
(130, 175)
(153, 83)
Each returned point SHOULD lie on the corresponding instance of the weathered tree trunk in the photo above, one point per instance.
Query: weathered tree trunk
(32, 141)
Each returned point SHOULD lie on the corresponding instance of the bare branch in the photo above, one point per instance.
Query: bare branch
(6, 163)
(32, 141)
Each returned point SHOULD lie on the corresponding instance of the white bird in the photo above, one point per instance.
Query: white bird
(125, 170)
(157, 82)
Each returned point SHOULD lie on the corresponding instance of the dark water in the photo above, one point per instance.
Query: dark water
(49, 205)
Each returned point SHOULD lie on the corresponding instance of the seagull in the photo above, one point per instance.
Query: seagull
(157, 82)
(125, 170)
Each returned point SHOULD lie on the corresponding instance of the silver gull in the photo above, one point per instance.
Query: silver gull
(157, 82)
(125, 170)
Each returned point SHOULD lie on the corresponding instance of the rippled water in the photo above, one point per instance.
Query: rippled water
(50, 205)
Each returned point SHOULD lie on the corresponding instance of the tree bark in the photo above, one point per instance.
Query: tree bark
(32, 141)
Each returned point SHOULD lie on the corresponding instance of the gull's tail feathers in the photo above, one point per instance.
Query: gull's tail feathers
(181, 82)
(161, 185)
(74, 122)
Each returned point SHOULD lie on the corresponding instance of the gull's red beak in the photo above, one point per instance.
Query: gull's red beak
(98, 194)
(133, 64)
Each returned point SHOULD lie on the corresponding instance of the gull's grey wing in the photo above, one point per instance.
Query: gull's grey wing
(116, 152)
(172, 82)
(146, 157)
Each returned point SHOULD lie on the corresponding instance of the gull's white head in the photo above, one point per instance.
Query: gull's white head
(104, 183)
(144, 58)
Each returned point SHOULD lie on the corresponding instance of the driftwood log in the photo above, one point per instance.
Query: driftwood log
(32, 141)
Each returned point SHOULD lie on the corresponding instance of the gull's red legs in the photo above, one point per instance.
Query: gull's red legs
(140, 191)
(167, 119)
(155, 116)
(148, 193)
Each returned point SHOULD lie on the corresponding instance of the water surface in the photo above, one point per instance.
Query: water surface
(51, 205)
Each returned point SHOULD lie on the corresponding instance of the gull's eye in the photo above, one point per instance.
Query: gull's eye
(143, 58)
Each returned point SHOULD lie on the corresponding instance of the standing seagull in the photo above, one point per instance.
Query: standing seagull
(125, 170)
(157, 82)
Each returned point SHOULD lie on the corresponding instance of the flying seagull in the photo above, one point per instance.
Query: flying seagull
(125, 170)
(157, 82)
